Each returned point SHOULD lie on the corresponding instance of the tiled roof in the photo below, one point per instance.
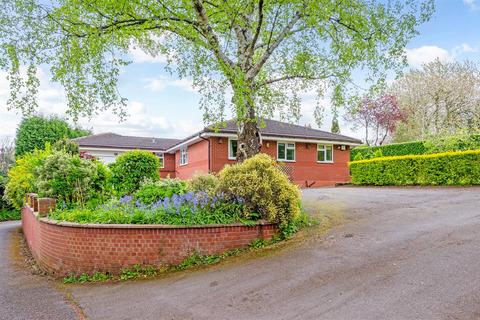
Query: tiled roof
(112, 140)
(287, 130)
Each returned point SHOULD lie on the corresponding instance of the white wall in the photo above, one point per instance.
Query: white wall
(106, 156)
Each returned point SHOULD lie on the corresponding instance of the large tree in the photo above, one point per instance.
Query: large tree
(441, 98)
(266, 52)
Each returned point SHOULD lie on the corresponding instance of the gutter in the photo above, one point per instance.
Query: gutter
(209, 151)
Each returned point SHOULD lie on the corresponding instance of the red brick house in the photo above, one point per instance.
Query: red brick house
(309, 156)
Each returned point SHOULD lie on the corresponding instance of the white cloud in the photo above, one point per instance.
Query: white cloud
(161, 83)
(140, 56)
(418, 56)
(472, 4)
(467, 48)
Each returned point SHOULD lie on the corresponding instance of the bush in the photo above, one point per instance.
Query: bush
(153, 191)
(131, 169)
(264, 188)
(449, 168)
(67, 146)
(460, 142)
(35, 131)
(204, 183)
(4, 205)
(21, 177)
(70, 179)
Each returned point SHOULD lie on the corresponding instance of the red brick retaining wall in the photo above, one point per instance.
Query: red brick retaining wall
(62, 248)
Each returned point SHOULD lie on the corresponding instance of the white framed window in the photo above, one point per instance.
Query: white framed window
(232, 149)
(286, 151)
(183, 156)
(161, 159)
(324, 153)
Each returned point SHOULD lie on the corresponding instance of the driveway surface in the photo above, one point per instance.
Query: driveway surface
(398, 253)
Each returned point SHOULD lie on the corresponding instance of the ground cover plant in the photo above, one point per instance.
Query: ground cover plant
(448, 168)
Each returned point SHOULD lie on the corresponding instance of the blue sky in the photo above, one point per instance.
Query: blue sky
(164, 106)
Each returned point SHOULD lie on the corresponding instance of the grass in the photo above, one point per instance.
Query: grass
(9, 214)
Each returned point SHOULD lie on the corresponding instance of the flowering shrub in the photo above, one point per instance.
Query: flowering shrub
(204, 183)
(185, 209)
(265, 189)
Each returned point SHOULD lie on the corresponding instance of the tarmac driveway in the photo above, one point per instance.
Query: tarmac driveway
(399, 253)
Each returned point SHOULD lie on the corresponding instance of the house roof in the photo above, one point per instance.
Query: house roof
(273, 128)
(113, 140)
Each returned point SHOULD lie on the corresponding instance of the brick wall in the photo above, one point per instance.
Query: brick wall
(306, 171)
(168, 169)
(63, 248)
(197, 160)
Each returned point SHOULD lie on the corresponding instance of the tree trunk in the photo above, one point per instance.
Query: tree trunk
(249, 141)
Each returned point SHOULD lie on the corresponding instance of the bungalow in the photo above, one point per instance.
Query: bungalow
(309, 156)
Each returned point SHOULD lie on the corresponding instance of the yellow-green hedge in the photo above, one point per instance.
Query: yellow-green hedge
(448, 168)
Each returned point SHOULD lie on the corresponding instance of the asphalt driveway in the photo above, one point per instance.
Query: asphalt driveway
(396, 253)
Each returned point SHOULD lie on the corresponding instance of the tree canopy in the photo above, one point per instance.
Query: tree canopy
(33, 132)
(440, 98)
(264, 52)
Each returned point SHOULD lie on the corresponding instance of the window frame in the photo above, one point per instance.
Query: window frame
(286, 143)
(161, 158)
(184, 151)
(324, 149)
(229, 155)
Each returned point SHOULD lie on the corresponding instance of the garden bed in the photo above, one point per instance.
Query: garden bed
(63, 248)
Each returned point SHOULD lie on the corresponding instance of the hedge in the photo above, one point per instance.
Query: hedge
(453, 143)
(447, 168)
(394, 149)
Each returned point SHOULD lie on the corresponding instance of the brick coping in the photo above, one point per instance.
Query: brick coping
(145, 226)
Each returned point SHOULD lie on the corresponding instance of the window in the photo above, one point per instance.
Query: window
(324, 153)
(160, 158)
(183, 156)
(285, 151)
(232, 149)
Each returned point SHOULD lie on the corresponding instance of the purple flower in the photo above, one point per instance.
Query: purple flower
(126, 199)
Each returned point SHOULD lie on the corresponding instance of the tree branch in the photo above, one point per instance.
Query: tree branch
(259, 27)
(285, 32)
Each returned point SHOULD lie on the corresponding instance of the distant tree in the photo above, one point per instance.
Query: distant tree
(66, 145)
(441, 98)
(264, 51)
(335, 125)
(33, 132)
(7, 154)
(378, 116)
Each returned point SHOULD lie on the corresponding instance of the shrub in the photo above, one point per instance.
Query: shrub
(264, 188)
(3, 200)
(35, 131)
(204, 183)
(153, 191)
(131, 168)
(21, 177)
(69, 178)
(460, 142)
(449, 168)
(67, 146)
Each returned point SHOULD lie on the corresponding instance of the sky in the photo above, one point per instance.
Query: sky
(162, 105)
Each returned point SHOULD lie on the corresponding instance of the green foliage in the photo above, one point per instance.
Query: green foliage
(33, 132)
(435, 145)
(335, 125)
(66, 145)
(152, 191)
(263, 187)
(204, 183)
(358, 156)
(289, 46)
(188, 209)
(7, 215)
(132, 168)
(68, 178)
(389, 150)
(21, 177)
(378, 153)
(449, 168)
